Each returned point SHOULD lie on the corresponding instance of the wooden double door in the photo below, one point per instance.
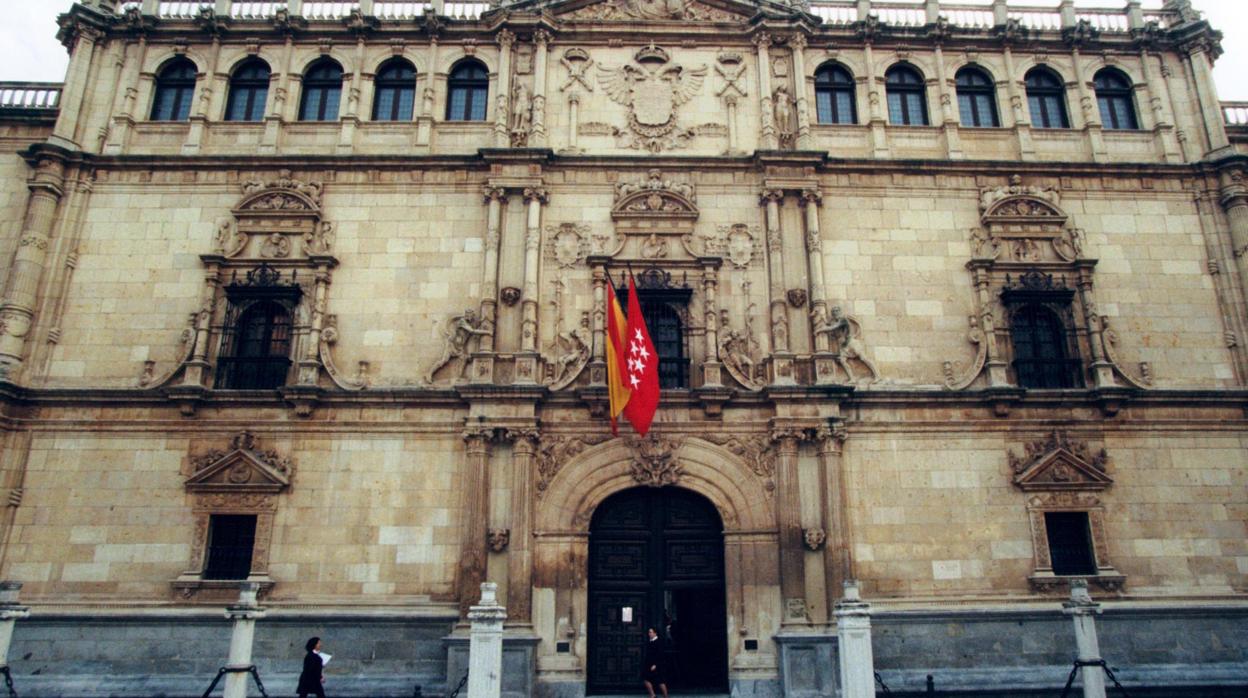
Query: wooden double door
(656, 560)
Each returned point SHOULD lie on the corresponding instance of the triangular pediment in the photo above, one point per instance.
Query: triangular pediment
(657, 10)
(241, 469)
(1062, 469)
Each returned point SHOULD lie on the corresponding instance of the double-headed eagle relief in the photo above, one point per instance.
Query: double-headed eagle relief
(652, 90)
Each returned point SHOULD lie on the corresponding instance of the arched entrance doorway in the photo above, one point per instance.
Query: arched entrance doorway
(656, 559)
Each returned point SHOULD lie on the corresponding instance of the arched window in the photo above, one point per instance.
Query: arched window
(175, 86)
(256, 349)
(834, 95)
(395, 96)
(1114, 97)
(1046, 98)
(977, 98)
(907, 101)
(467, 89)
(322, 92)
(249, 88)
(1040, 352)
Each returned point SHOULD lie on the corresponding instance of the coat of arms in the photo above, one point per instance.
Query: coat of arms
(652, 90)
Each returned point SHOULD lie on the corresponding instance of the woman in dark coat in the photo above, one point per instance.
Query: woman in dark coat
(310, 679)
(652, 667)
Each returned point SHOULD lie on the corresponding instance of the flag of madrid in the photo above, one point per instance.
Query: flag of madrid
(640, 368)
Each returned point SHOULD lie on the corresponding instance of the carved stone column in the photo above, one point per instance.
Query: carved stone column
(1102, 369)
(17, 310)
(875, 110)
(1235, 202)
(196, 373)
(948, 111)
(789, 525)
(768, 138)
(534, 198)
(782, 360)
(811, 199)
(598, 362)
(354, 90)
(519, 546)
(80, 38)
(574, 105)
(1201, 63)
(1158, 98)
(1087, 106)
(476, 513)
(711, 375)
(310, 364)
(424, 122)
(506, 40)
(838, 562)
(537, 138)
(489, 282)
(802, 105)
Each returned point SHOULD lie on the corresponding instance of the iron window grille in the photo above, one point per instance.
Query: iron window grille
(249, 90)
(395, 91)
(467, 92)
(977, 99)
(1070, 543)
(257, 334)
(834, 96)
(662, 303)
(231, 542)
(1046, 99)
(175, 87)
(1116, 100)
(1040, 333)
(907, 101)
(322, 92)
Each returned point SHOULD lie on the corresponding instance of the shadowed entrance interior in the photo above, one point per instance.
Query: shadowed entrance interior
(656, 559)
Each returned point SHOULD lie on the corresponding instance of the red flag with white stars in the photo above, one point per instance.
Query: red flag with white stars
(640, 368)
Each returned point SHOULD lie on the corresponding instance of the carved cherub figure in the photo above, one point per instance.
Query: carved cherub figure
(458, 333)
(575, 346)
(843, 338)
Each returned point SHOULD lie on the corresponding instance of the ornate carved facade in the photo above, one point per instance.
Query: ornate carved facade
(359, 260)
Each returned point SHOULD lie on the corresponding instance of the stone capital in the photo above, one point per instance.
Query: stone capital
(505, 38)
(811, 196)
(768, 196)
(537, 194)
(491, 193)
(542, 37)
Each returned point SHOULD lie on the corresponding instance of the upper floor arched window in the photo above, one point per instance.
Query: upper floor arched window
(467, 92)
(322, 91)
(1116, 99)
(907, 98)
(977, 98)
(175, 86)
(834, 95)
(249, 89)
(1046, 99)
(395, 96)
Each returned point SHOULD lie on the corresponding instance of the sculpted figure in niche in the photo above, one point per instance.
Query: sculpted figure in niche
(521, 115)
(575, 347)
(735, 350)
(275, 246)
(458, 333)
(784, 117)
(843, 338)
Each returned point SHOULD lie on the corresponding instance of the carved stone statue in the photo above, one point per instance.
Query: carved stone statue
(521, 115)
(457, 335)
(844, 339)
(574, 346)
(735, 352)
(784, 116)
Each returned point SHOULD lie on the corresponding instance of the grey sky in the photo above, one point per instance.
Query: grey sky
(29, 50)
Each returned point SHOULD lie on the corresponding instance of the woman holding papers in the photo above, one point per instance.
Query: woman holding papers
(311, 678)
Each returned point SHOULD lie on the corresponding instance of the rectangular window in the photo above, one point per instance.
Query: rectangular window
(231, 539)
(1070, 543)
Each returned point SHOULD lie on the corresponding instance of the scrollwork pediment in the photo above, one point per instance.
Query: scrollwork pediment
(655, 197)
(1058, 463)
(243, 468)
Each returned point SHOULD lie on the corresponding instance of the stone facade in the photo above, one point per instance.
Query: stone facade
(848, 297)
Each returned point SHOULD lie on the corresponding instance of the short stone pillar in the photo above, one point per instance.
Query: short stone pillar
(244, 614)
(10, 613)
(1083, 611)
(853, 632)
(485, 645)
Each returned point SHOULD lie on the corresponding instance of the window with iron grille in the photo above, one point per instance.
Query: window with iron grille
(255, 346)
(231, 540)
(396, 91)
(249, 89)
(1046, 99)
(834, 95)
(667, 333)
(467, 91)
(1116, 100)
(1070, 543)
(1041, 350)
(175, 86)
(907, 98)
(977, 98)
(322, 92)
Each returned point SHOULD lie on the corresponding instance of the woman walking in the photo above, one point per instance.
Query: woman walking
(652, 668)
(312, 678)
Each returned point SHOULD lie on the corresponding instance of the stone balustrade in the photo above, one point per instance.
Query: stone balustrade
(831, 12)
(1235, 114)
(30, 96)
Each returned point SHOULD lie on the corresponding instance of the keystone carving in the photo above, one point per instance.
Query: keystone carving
(654, 461)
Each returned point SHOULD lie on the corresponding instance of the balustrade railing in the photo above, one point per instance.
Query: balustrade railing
(1235, 113)
(833, 12)
(30, 96)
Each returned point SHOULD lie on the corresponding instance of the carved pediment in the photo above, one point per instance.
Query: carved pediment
(282, 197)
(243, 468)
(1017, 203)
(655, 197)
(1058, 463)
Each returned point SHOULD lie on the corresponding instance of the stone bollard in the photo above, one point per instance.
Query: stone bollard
(244, 614)
(485, 645)
(10, 612)
(853, 632)
(1083, 611)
